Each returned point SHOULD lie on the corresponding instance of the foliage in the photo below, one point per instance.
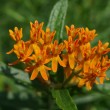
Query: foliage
(17, 92)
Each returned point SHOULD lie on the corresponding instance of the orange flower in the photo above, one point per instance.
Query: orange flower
(39, 61)
(72, 31)
(72, 50)
(36, 30)
(102, 48)
(94, 68)
(85, 35)
(86, 50)
(54, 54)
(81, 56)
(47, 37)
(43, 71)
(21, 51)
(82, 63)
(16, 35)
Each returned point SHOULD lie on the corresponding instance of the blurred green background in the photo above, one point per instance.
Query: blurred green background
(14, 95)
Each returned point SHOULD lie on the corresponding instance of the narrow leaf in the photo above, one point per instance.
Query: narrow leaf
(14, 14)
(64, 100)
(14, 73)
(57, 18)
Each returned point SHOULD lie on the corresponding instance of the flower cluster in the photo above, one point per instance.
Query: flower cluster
(83, 63)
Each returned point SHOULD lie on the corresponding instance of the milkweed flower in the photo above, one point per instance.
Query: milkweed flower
(81, 56)
(39, 61)
(54, 54)
(86, 35)
(35, 31)
(47, 37)
(82, 63)
(91, 74)
(20, 48)
(95, 66)
(72, 31)
(72, 51)
(16, 35)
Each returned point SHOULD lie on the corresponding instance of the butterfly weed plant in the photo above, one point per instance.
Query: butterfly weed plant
(46, 54)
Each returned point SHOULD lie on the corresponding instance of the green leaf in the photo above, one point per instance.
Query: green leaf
(14, 73)
(14, 14)
(0, 52)
(89, 98)
(64, 100)
(57, 18)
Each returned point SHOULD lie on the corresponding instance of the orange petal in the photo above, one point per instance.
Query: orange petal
(20, 32)
(78, 67)
(54, 64)
(67, 29)
(34, 74)
(47, 68)
(47, 60)
(66, 44)
(74, 80)
(101, 80)
(71, 61)
(61, 62)
(29, 51)
(43, 73)
(86, 66)
(88, 85)
(14, 63)
(36, 49)
(11, 51)
(81, 83)
(93, 62)
(12, 35)
(102, 77)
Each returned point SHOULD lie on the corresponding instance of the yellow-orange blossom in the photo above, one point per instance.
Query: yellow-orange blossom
(74, 54)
